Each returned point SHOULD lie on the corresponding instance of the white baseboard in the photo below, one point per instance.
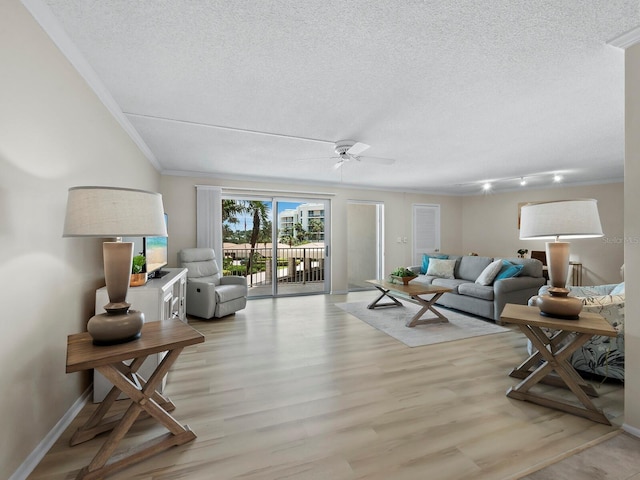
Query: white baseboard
(631, 430)
(35, 457)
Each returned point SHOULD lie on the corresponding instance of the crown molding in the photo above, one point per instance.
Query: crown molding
(627, 39)
(45, 18)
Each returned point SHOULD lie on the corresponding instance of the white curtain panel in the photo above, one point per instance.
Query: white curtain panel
(209, 218)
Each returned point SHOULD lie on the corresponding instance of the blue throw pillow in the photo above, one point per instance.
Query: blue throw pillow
(425, 261)
(509, 270)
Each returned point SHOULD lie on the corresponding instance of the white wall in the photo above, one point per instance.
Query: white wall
(484, 224)
(632, 234)
(54, 134)
(361, 243)
(490, 227)
(179, 196)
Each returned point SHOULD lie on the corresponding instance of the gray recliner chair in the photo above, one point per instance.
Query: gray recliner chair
(209, 294)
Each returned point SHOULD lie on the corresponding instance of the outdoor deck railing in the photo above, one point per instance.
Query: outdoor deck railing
(294, 265)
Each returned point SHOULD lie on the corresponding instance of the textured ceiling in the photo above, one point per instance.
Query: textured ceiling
(457, 92)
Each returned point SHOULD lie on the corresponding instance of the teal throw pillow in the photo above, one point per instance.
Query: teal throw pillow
(425, 261)
(509, 270)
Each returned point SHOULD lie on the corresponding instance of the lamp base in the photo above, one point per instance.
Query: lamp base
(559, 305)
(104, 343)
(561, 317)
(116, 327)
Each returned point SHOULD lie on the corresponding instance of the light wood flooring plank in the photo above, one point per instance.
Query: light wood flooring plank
(297, 388)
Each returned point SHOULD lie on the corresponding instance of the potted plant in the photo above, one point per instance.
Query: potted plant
(403, 274)
(138, 277)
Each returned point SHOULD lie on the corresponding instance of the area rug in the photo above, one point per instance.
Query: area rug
(392, 320)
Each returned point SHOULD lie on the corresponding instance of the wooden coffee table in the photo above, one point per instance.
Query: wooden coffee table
(413, 291)
(553, 357)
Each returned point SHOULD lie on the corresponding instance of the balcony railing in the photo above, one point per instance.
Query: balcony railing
(303, 264)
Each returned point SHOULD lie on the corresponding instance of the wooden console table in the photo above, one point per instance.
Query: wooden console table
(170, 336)
(551, 356)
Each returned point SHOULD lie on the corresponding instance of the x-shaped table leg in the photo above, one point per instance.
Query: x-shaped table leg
(427, 305)
(145, 400)
(556, 359)
(384, 293)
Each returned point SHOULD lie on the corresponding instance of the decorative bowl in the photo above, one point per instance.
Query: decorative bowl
(404, 280)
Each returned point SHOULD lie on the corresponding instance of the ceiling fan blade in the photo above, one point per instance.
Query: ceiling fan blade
(357, 148)
(308, 159)
(338, 164)
(378, 160)
(315, 159)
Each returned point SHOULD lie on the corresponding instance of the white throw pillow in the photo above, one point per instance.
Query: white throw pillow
(441, 268)
(489, 273)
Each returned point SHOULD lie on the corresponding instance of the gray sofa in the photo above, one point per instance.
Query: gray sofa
(485, 300)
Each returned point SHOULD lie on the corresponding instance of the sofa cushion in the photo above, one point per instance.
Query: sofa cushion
(471, 267)
(452, 283)
(602, 300)
(509, 270)
(425, 261)
(200, 262)
(618, 289)
(476, 290)
(441, 268)
(423, 279)
(489, 273)
(225, 293)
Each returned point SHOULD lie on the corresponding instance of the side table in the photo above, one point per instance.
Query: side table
(170, 336)
(551, 356)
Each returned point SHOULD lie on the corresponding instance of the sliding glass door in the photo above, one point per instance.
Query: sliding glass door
(280, 244)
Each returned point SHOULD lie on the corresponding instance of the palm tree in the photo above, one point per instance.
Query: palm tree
(316, 228)
(230, 211)
(260, 213)
(258, 210)
(286, 236)
(265, 233)
(301, 233)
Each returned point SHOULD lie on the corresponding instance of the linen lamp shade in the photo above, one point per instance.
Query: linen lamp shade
(565, 219)
(113, 212)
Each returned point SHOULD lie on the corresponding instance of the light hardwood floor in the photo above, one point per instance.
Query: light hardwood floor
(295, 388)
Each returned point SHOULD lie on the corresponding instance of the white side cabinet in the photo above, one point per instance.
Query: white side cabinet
(159, 299)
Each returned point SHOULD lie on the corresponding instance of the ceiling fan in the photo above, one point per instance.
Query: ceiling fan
(349, 151)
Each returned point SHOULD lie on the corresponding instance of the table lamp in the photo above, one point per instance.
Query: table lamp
(562, 219)
(115, 212)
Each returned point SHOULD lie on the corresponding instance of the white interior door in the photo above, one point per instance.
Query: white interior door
(365, 244)
(426, 230)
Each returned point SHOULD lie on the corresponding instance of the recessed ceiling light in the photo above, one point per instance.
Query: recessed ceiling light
(557, 178)
(486, 187)
(523, 182)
